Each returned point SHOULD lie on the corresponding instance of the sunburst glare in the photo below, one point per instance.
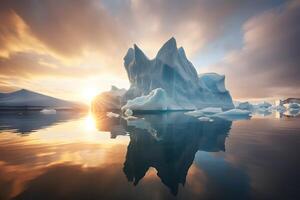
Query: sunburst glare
(89, 93)
(90, 123)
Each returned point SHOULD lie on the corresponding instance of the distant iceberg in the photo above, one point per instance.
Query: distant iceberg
(279, 108)
(48, 111)
(167, 82)
(263, 105)
(294, 106)
(245, 106)
(110, 100)
(205, 119)
(207, 114)
(234, 114)
(204, 112)
(111, 114)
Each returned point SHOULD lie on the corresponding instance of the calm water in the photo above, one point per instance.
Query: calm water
(166, 156)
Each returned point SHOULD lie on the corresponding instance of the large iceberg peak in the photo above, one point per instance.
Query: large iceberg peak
(180, 87)
(139, 54)
(168, 50)
(171, 71)
(129, 57)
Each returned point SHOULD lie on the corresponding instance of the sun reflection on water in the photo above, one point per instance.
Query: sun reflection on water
(90, 122)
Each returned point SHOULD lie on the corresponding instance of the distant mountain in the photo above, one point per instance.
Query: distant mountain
(26, 99)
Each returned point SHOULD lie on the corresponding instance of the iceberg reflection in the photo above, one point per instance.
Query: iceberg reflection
(167, 142)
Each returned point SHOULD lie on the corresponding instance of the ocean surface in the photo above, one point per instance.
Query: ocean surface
(71, 155)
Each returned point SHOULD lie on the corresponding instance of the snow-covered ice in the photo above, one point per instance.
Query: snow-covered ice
(128, 112)
(204, 112)
(279, 108)
(111, 115)
(157, 99)
(294, 106)
(48, 111)
(174, 74)
(244, 106)
(109, 100)
(263, 105)
(211, 110)
(234, 114)
(205, 119)
(292, 112)
(195, 113)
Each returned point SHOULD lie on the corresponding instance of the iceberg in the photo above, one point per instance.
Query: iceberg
(244, 106)
(110, 100)
(207, 114)
(167, 82)
(205, 119)
(211, 110)
(294, 106)
(48, 111)
(279, 108)
(195, 113)
(157, 99)
(129, 118)
(292, 113)
(234, 114)
(177, 79)
(263, 105)
(128, 112)
(111, 114)
(204, 112)
(264, 108)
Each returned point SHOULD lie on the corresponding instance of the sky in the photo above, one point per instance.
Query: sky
(74, 49)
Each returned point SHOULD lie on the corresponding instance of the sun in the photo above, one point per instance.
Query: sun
(89, 93)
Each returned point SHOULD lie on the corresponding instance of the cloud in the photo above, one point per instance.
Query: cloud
(64, 39)
(268, 63)
(67, 27)
(15, 35)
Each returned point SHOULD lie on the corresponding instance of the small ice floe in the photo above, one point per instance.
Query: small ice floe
(263, 105)
(211, 110)
(111, 115)
(244, 106)
(279, 108)
(195, 113)
(130, 118)
(292, 113)
(128, 112)
(204, 112)
(205, 119)
(48, 111)
(294, 106)
(234, 114)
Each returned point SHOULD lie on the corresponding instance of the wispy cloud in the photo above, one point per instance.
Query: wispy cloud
(82, 43)
(268, 63)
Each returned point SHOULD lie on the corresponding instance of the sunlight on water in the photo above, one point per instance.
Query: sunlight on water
(187, 158)
(89, 123)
